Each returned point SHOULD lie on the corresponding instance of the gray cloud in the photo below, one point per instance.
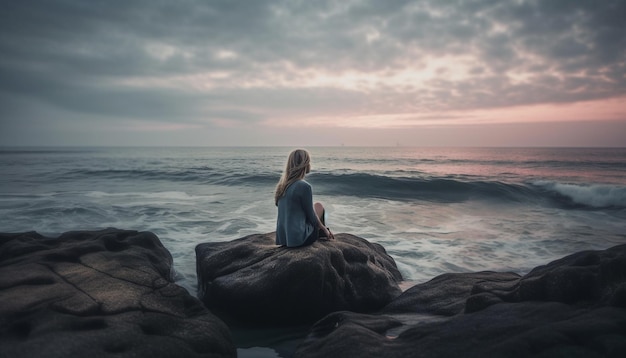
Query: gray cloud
(77, 56)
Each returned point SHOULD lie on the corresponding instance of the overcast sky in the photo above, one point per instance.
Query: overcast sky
(353, 72)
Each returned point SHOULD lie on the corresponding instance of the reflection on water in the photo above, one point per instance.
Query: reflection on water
(267, 341)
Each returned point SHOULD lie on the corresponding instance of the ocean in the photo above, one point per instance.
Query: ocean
(435, 210)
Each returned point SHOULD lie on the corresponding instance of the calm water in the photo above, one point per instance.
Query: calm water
(435, 210)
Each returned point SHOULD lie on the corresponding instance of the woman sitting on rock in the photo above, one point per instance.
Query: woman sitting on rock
(300, 222)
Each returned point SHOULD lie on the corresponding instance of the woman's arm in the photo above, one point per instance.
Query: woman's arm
(306, 198)
(307, 202)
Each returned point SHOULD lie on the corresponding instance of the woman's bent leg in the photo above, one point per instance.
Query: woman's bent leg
(320, 212)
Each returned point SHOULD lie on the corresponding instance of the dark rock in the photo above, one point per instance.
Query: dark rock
(527, 329)
(572, 307)
(252, 279)
(591, 277)
(447, 294)
(349, 334)
(99, 294)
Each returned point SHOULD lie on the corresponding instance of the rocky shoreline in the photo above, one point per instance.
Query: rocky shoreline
(102, 293)
(110, 293)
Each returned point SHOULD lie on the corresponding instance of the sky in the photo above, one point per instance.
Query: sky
(306, 73)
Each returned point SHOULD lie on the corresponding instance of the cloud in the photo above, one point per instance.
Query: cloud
(234, 63)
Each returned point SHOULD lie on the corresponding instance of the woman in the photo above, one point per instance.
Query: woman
(300, 222)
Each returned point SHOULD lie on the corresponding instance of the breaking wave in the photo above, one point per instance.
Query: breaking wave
(397, 185)
(592, 195)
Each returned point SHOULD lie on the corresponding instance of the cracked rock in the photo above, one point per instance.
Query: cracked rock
(99, 294)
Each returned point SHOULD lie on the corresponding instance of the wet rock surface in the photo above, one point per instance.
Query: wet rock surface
(102, 293)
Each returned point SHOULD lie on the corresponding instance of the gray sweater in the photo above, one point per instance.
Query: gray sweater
(296, 216)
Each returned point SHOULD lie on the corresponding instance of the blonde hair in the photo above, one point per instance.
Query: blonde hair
(298, 165)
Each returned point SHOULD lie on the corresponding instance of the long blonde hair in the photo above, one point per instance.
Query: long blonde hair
(298, 165)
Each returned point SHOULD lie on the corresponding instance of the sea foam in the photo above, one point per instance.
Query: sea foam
(594, 195)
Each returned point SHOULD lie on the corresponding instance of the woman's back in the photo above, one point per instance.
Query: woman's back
(296, 216)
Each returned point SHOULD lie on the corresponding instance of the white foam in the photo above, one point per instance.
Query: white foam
(595, 195)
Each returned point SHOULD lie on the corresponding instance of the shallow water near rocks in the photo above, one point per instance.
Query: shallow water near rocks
(264, 342)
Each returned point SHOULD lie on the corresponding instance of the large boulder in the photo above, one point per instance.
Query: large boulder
(251, 279)
(572, 307)
(102, 293)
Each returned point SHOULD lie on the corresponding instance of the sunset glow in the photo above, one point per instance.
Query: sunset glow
(610, 109)
(213, 75)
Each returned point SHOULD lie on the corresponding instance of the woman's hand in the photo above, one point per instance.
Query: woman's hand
(329, 235)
